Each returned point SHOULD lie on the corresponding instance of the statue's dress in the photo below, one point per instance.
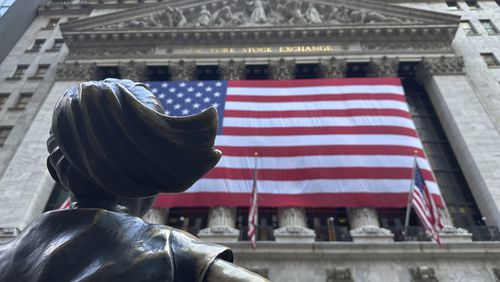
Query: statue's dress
(100, 245)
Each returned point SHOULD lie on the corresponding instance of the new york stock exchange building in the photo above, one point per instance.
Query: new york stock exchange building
(439, 57)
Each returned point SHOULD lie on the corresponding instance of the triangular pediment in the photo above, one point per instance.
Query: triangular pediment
(258, 13)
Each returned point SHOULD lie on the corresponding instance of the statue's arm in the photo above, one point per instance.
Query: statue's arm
(223, 271)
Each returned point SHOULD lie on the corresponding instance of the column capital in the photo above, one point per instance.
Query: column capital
(136, 71)
(333, 67)
(77, 71)
(232, 70)
(221, 225)
(365, 227)
(282, 69)
(182, 70)
(293, 226)
(443, 65)
(383, 67)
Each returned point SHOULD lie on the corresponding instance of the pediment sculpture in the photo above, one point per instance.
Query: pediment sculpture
(250, 13)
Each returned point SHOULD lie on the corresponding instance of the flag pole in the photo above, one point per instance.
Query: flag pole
(410, 194)
(253, 213)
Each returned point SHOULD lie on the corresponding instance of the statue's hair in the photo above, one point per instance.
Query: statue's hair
(111, 138)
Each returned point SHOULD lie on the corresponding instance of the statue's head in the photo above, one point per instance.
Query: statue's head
(111, 143)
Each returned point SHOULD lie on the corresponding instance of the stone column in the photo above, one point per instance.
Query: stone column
(221, 225)
(182, 70)
(471, 132)
(232, 70)
(156, 216)
(383, 67)
(333, 68)
(135, 71)
(365, 227)
(282, 69)
(292, 220)
(222, 219)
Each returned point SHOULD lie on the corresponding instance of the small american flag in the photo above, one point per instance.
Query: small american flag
(424, 206)
(321, 142)
(253, 216)
(66, 204)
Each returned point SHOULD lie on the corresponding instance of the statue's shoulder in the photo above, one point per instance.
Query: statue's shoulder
(193, 257)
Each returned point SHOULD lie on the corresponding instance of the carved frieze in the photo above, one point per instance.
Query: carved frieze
(182, 70)
(407, 46)
(339, 275)
(383, 67)
(77, 71)
(333, 68)
(232, 70)
(136, 71)
(282, 69)
(111, 51)
(443, 65)
(257, 13)
(423, 274)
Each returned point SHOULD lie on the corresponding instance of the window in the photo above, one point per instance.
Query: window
(452, 5)
(72, 19)
(256, 72)
(207, 73)
(58, 43)
(52, 23)
(41, 71)
(303, 71)
(5, 5)
(472, 4)
(22, 102)
(489, 27)
(107, 72)
(468, 28)
(3, 99)
(158, 73)
(4, 133)
(19, 72)
(356, 70)
(490, 59)
(37, 45)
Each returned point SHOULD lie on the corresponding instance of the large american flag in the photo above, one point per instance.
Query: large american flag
(321, 142)
(424, 205)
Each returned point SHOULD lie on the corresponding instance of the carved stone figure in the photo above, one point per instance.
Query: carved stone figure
(225, 17)
(291, 13)
(179, 18)
(205, 17)
(114, 149)
(258, 14)
(339, 15)
(312, 15)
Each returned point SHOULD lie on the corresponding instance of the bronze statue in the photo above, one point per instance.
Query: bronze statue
(114, 149)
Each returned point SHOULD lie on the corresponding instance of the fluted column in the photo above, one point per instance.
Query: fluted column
(136, 71)
(221, 225)
(451, 94)
(156, 216)
(365, 226)
(383, 67)
(292, 220)
(182, 70)
(232, 70)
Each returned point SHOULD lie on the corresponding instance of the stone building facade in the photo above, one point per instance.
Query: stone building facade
(446, 52)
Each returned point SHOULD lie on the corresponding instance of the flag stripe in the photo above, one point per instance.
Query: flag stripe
(303, 187)
(316, 97)
(290, 151)
(291, 131)
(374, 161)
(315, 173)
(318, 105)
(317, 113)
(317, 122)
(318, 140)
(392, 81)
(235, 199)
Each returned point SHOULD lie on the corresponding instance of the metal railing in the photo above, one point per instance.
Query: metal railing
(337, 233)
(410, 233)
(264, 233)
